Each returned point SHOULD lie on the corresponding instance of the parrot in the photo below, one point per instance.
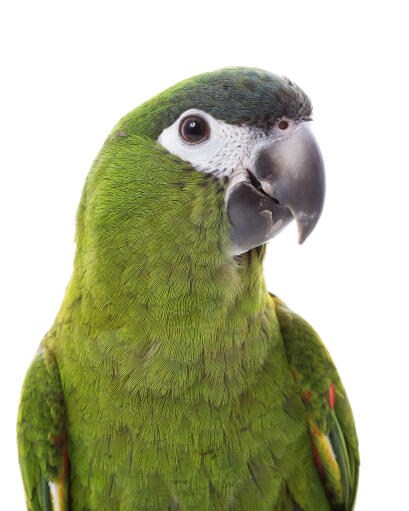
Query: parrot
(171, 378)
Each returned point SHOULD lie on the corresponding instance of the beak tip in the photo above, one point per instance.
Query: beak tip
(306, 223)
(304, 230)
(301, 238)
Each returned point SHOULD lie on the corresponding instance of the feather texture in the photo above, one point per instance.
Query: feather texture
(167, 380)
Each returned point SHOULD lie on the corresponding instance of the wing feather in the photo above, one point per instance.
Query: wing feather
(332, 430)
(41, 436)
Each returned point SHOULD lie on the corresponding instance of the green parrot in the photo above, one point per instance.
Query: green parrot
(171, 379)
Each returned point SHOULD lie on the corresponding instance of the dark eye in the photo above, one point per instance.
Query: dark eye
(194, 129)
(283, 125)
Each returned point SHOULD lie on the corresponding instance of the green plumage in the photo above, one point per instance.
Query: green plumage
(169, 368)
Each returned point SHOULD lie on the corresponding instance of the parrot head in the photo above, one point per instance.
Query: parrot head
(245, 135)
(252, 127)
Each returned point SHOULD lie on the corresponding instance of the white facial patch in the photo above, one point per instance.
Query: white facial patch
(229, 150)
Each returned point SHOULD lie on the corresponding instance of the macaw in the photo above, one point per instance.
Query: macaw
(171, 378)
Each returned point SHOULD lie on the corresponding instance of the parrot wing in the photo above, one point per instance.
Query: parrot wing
(332, 430)
(41, 436)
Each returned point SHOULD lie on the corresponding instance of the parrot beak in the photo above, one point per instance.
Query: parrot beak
(291, 171)
(287, 181)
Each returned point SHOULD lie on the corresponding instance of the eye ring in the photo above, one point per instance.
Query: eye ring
(194, 129)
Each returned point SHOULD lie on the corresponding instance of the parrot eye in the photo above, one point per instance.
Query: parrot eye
(194, 129)
(283, 125)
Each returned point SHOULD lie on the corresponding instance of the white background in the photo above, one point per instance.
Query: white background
(71, 70)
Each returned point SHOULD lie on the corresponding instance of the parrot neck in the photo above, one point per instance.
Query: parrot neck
(191, 329)
(156, 297)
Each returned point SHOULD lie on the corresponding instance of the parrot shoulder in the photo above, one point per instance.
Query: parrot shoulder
(331, 423)
(41, 435)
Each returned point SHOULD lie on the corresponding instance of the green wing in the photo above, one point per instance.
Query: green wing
(41, 436)
(332, 430)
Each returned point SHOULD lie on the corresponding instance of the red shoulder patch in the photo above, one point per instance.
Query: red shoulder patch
(331, 396)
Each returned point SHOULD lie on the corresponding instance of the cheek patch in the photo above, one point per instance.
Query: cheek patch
(228, 149)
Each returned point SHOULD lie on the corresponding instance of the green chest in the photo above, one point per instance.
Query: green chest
(156, 453)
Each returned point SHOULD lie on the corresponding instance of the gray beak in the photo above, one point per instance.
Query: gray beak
(287, 181)
(291, 170)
